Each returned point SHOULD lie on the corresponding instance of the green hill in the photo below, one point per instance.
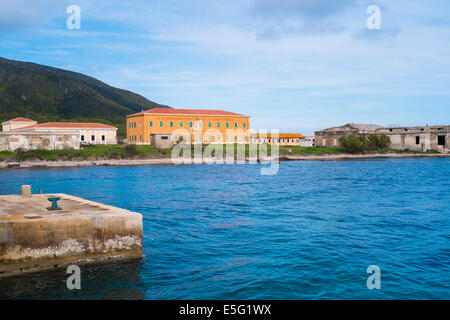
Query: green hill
(46, 94)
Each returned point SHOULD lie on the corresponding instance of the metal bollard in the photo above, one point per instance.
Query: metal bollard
(54, 201)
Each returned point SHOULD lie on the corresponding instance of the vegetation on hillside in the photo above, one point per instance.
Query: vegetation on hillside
(47, 94)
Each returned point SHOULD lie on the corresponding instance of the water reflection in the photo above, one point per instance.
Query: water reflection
(120, 280)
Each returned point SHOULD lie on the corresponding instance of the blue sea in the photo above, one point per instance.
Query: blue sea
(227, 232)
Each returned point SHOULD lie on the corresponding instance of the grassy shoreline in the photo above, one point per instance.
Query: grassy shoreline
(142, 152)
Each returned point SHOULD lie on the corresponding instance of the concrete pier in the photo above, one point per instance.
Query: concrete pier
(33, 238)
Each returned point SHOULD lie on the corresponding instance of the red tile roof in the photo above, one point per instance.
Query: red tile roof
(279, 136)
(188, 112)
(69, 125)
(20, 119)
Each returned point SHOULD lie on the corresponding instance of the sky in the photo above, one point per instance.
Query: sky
(292, 65)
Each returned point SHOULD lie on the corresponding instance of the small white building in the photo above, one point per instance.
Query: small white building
(308, 141)
(92, 133)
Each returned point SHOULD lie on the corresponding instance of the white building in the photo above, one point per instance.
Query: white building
(308, 141)
(93, 133)
(17, 123)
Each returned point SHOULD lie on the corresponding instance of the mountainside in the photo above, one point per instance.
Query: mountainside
(45, 94)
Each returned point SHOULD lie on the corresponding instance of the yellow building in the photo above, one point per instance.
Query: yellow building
(282, 139)
(187, 125)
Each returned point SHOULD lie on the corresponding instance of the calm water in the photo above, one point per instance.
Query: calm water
(226, 232)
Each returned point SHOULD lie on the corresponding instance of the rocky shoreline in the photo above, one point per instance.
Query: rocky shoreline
(168, 161)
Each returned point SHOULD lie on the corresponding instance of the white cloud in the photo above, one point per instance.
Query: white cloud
(302, 57)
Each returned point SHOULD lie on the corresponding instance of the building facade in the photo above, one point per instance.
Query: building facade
(188, 126)
(161, 140)
(12, 141)
(89, 133)
(17, 123)
(329, 138)
(282, 139)
(419, 138)
(308, 141)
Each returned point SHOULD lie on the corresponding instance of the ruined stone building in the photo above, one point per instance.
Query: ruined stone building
(329, 138)
(419, 138)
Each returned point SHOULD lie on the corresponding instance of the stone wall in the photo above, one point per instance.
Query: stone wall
(33, 238)
(329, 138)
(419, 138)
(11, 141)
(161, 141)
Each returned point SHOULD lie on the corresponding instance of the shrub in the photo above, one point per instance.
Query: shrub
(26, 155)
(384, 141)
(376, 141)
(131, 150)
(353, 143)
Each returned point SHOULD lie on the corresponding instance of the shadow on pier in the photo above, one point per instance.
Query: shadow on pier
(119, 280)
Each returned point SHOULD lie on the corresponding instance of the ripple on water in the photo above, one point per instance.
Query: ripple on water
(226, 232)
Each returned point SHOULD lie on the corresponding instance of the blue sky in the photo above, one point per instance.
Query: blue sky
(293, 65)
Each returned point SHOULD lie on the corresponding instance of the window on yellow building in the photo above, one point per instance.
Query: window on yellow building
(181, 124)
(171, 124)
(227, 124)
(160, 123)
(190, 124)
(151, 123)
(244, 125)
(235, 124)
(209, 124)
(218, 124)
